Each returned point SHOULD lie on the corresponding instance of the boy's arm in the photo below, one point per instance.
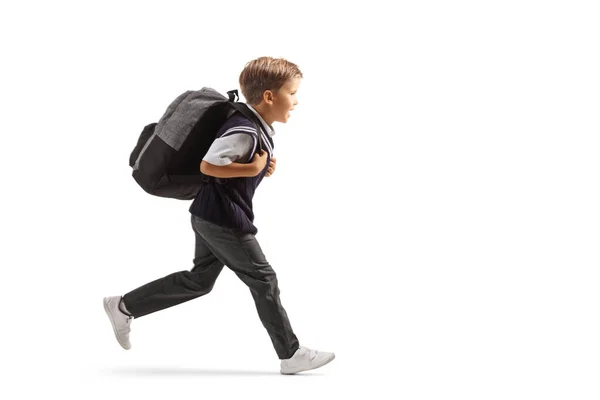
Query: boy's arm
(233, 170)
(221, 159)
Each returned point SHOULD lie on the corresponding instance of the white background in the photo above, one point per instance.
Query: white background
(433, 220)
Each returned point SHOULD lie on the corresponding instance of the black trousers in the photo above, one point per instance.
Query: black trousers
(216, 247)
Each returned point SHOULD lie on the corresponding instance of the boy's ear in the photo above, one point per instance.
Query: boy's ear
(268, 97)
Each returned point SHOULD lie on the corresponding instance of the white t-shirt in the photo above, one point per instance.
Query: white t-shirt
(238, 146)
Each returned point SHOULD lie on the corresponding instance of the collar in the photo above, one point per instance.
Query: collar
(268, 128)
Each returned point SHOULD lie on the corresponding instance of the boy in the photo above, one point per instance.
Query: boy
(222, 220)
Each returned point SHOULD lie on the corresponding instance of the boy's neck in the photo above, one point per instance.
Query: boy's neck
(262, 109)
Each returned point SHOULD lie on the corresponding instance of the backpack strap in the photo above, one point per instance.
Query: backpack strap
(246, 112)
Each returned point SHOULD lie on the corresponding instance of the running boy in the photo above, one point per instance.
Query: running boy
(222, 220)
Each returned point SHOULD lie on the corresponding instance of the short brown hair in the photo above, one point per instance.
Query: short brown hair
(266, 73)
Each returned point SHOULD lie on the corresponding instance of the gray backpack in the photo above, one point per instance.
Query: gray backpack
(166, 159)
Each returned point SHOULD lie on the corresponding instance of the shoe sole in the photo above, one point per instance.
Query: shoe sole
(112, 322)
(296, 370)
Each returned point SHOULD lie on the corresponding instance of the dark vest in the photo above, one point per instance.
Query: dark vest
(228, 202)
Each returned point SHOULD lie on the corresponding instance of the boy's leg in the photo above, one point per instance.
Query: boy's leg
(243, 255)
(178, 287)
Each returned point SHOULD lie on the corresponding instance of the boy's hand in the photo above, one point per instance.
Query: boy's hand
(271, 168)
(260, 161)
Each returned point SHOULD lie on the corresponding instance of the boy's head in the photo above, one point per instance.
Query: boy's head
(270, 85)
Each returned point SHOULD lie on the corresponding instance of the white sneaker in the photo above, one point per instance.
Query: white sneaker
(305, 359)
(120, 322)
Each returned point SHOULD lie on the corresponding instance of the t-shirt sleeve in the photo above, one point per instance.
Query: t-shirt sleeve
(228, 149)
